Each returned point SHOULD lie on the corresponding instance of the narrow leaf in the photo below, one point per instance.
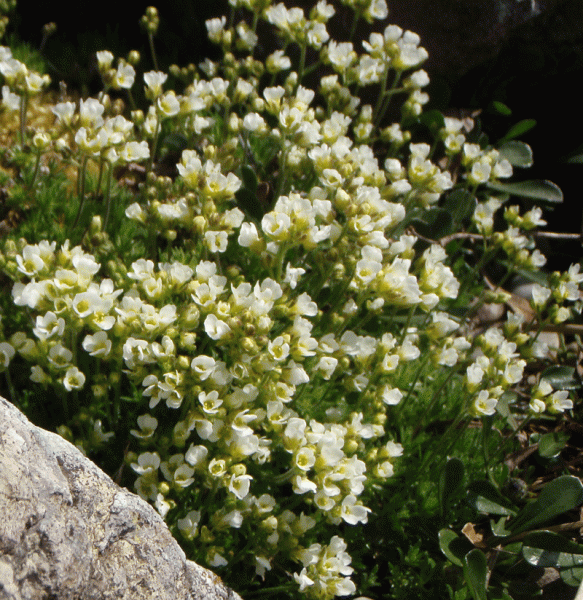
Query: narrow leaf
(561, 377)
(539, 189)
(483, 496)
(519, 129)
(548, 549)
(475, 573)
(557, 497)
(501, 108)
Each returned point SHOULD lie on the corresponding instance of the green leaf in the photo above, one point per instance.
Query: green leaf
(572, 576)
(557, 497)
(249, 178)
(501, 108)
(460, 204)
(453, 546)
(539, 189)
(484, 496)
(503, 408)
(175, 142)
(450, 481)
(435, 224)
(433, 120)
(248, 203)
(551, 444)
(499, 527)
(561, 377)
(548, 549)
(475, 573)
(518, 154)
(519, 129)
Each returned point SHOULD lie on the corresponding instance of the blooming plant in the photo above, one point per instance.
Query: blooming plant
(262, 336)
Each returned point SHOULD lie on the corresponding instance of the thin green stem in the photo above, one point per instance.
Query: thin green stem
(99, 175)
(23, 111)
(153, 50)
(357, 16)
(11, 388)
(385, 96)
(302, 64)
(107, 197)
(150, 162)
(81, 181)
(36, 170)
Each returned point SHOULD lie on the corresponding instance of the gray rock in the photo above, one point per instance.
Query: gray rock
(67, 531)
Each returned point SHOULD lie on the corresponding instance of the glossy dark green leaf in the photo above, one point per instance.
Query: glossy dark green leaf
(572, 576)
(460, 204)
(561, 377)
(519, 129)
(551, 444)
(475, 573)
(499, 527)
(501, 108)
(538, 189)
(518, 154)
(549, 549)
(557, 497)
(484, 496)
(453, 546)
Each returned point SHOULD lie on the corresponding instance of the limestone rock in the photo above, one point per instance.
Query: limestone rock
(67, 531)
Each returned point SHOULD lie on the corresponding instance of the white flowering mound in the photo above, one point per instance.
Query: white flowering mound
(296, 310)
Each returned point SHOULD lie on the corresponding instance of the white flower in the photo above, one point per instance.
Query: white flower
(215, 328)
(74, 379)
(188, 526)
(124, 76)
(484, 404)
(352, 511)
(6, 354)
(559, 402)
(254, 122)
(154, 81)
(48, 326)
(391, 396)
(97, 344)
(147, 425)
(239, 485)
(10, 100)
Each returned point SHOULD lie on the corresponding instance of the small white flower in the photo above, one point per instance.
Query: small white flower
(74, 379)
